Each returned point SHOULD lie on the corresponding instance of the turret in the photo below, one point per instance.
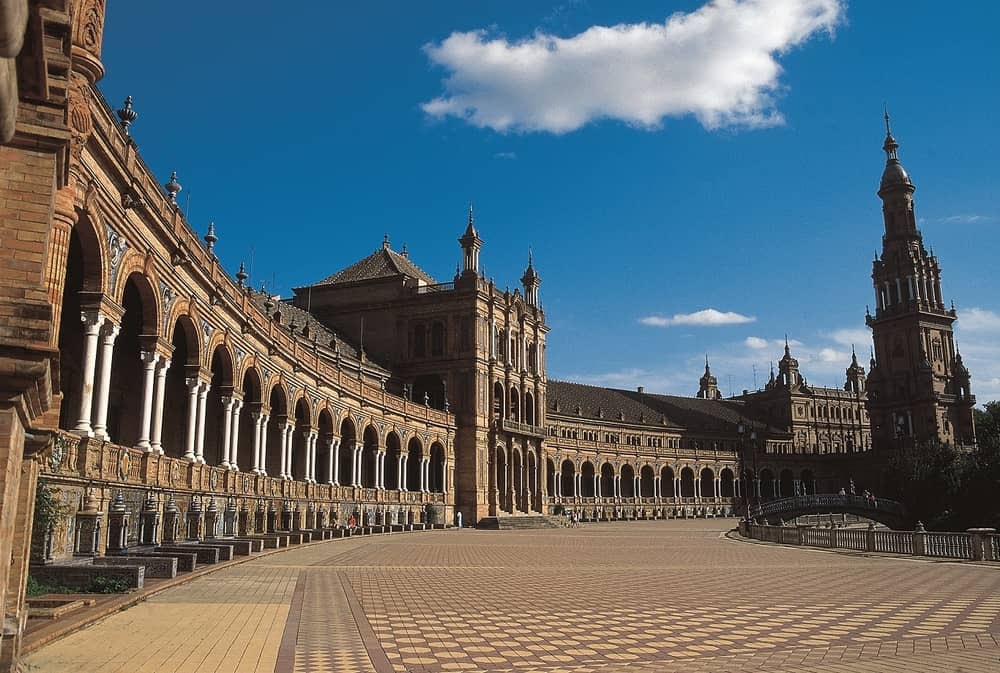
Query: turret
(788, 369)
(855, 376)
(708, 388)
(471, 245)
(530, 281)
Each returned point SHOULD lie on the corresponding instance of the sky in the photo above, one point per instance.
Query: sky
(693, 178)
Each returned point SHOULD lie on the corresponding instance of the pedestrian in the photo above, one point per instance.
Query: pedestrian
(841, 491)
(458, 519)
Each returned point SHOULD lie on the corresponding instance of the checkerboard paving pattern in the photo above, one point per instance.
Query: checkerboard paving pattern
(639, 596)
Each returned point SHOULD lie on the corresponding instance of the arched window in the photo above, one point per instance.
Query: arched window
(419, 341)
(437, 339)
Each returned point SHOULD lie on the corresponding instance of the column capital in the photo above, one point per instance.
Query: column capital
(227, 401)
(193, 383)
(92, 320)
(150, 358)
(110, 329)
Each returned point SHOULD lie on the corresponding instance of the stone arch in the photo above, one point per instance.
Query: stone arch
(647, 488)
(393, 454)
(627, 481)
(767, 483)
(222, 368)
(436, 476)
(529, 408)
(567, 478)
(607, 480)
(414, 456)
(707, 486)
(348, 440)
(667, 481)
(276, 434)
(369, 455)
(94, 245)
(587, 471)
(502, 484)
(808, 482)
(515, 405)
(181, 380)
(499, 402)
(324, 445)
(726, 483)
(687, 482)
(301, 437)
(252, 389)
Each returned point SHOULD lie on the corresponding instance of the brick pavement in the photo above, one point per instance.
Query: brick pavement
(641, 596)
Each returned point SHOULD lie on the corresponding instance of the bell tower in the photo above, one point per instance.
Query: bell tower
(918, 389)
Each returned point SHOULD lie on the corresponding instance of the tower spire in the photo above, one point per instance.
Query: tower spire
(471, 245)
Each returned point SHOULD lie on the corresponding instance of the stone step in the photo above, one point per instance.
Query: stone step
(522, 522)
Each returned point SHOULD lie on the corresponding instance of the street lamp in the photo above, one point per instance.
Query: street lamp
(741, 431)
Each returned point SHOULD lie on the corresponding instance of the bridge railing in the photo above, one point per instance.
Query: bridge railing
(832, 501)
(976, 544)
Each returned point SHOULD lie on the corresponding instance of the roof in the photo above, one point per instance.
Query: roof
(323, 335)
(647, 408)
(383, 263)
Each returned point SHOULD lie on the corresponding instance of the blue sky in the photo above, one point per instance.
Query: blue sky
(727, 159)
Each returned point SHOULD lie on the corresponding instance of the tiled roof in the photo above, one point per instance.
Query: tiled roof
(383, 263)
(302, 318)
(647, 408)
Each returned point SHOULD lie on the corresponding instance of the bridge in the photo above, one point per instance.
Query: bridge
(889, 512)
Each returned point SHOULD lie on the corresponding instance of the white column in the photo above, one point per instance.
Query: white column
(356, 472)
(283, 472)
(403, 486)
(109, 332)
(597, 483)
(199, 449)
(92, 322)
(677, 487)
(656, 487)
(335, 461)
(149, 360)
(424, 473)
(193, 385)
(227, 429)
(697, 486)
(234, 441)
(636, 484)
(313, 438)
(577, 480)
(159, 393)
(258, 420)
(618, 486)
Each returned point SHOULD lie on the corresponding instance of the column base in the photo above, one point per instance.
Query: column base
(144, 446)
(83, 430)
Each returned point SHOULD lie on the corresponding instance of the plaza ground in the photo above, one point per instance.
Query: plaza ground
(639, 596)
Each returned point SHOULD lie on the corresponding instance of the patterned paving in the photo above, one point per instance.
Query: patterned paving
(642, 596)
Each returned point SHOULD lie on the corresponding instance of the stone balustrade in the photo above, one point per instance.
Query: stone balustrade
(976, 544)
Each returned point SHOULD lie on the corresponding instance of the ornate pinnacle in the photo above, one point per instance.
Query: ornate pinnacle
(173, 187)
(210, 237)
(242, 275)
(127, 114)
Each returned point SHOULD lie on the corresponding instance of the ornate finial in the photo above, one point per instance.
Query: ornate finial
(211, 238)
(268, 302)
(173, 187)
(531, 258)
(706, 362)
(242, 275)
(472, 218)
(127, 114)
(890, 145)
(885, 115)
(385, 241)
(404, 252)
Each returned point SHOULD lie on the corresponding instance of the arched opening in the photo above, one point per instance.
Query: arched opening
(687, 483)
(324, 448)
(137, 333)
(515, 405)
(300, 441)
(414, 455)
(215, 410)
(436, 475)
(529, 408)
(276, 424)
(83, 272)
(503, 489)
(786, 484)
(667, 482)
(437, 339)
(567, 479)
(249, 413)
(348, 438)
(646, 487)
(183, 367)
(393, 450)
(726, 483)
(587, 479)
(532, 477)
(369, 456)
(429, 389)
(767, 484)
(627, 484)
(498, 400)
(707, 486)
(550, 476)
(607, 481)
(808, 483)
(518, 468)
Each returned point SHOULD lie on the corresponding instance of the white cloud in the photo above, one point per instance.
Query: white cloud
(964, 219)
(718, 63)
(505, 155)
(978, 319)
(755, 343)
(860, 337)
(708, 317)
(832, 355)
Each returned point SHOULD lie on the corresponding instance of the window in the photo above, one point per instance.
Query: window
(419, 341)
(437, 339)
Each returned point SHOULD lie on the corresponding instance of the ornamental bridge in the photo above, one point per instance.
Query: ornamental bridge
(889, 512)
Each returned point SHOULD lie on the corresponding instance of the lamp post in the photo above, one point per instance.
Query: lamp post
(741, 431)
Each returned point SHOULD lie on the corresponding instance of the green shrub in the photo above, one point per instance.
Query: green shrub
(108, 585)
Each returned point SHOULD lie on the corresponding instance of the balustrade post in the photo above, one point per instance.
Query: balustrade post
(919, 540)
(982, 547)
(870, 537)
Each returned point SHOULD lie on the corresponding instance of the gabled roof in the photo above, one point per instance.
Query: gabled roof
(647, 408)
(383, 263)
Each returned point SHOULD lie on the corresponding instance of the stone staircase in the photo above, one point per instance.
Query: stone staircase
(522, 522)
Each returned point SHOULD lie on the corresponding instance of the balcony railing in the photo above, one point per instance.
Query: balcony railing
(522, 428)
